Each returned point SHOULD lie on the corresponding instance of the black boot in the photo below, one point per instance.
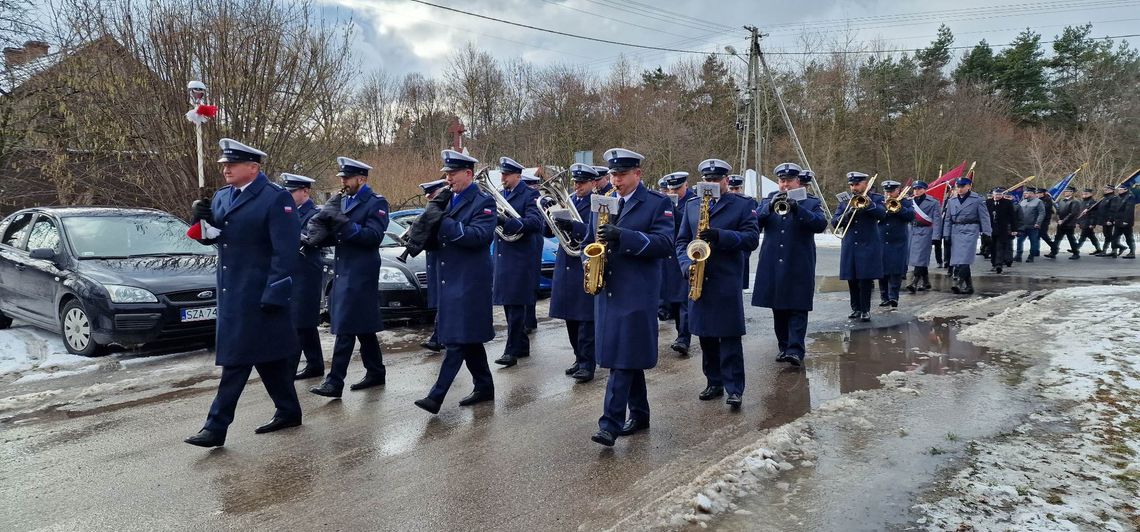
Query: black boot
(925, 279)
(912, 287)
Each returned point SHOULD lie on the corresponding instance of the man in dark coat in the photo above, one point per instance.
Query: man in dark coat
(1050, 204)
(1104, 212)
(1068, 208)
(966, 219)
(356, 221)
(252, 222)
(861, 252)
(785, 271)
(1003, 217)
(308, 282)
(894, 228)
(568, 298)
(463, 282)
(1031, 217)
(924, 229)
(517, 254)
(717, 317)
(1124, 216)
(674, 282)
(736, 186)
(1087, 219)
(638, 236)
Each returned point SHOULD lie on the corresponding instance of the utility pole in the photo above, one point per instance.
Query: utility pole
(754, 87)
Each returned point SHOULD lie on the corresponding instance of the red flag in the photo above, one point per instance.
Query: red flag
(937, 189)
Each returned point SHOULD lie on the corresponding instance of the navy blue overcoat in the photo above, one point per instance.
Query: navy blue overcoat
(894, 229)
(354, 301)
(463, 273)
(517, 263)
(785, 271)
(308, 278)
(861, 253)
(674, 282)
(568, 297)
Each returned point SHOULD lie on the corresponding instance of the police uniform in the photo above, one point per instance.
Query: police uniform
(923, 230)
(675, 282)
(258, 235)
(637, 238)
(861, 252)
(432, 344)
(785, 272)
(606, 189)
(1087, 220)
(966, 218)
(1067, 211)
(531, 180)
(356, 225)
(717, 317)
(463, 286)
(1003, 218)
(517, 263)
(894, 228)
(308, 280)
(568, 300)
(736, 186)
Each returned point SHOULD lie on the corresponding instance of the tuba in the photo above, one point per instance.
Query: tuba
(552, 197)
(698, 250)
(483, 181)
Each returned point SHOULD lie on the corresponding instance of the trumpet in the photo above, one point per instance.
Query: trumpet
(592, 271)
(483, 181)
(855, 204)
(699, 251)
(552, 196)
(895, 204)
(780, 204)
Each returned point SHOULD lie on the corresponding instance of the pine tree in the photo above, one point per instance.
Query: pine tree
(1019, 76)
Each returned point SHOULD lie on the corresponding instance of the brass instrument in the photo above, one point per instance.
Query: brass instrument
(483, 181)
(594, 268)
(553, 195)
(895, 204)
(780, 204)
(698, 250)
(855, 204)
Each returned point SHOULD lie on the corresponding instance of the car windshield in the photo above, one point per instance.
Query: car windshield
(395, 228)
(131, 235)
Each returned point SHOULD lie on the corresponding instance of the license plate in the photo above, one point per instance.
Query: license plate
(199, 314)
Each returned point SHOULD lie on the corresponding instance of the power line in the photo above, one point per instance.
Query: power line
(897, 50)
(621, 5)
(591, 13)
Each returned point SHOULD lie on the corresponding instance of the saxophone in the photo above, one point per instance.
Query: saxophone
(698, 251)
(595, 253)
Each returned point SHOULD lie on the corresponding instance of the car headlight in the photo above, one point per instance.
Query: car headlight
(129, 294)
(393, 278)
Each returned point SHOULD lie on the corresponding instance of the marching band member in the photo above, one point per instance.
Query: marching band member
(533, 180)
(861, 252)
(674, 282)
(308, 282)
(923, 231)
(463, 282)
(966, 218)
(736, 186)
(567, 299)
(893, 228)
(517, 263)
(785, 273)
(717, 317)
(602, 184)
(431, 189)
(257, 251)
(638, 236)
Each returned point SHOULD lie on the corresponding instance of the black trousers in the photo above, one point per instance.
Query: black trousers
(937, 243)
(1125, 232)
(1069, 233)
(1088, 232)
(518, 343)
(342, 353)
(680, 312)
(791, 330)
(722, 361)
(581, 335)
(276, 376)
(475, 356)
(309, 344)
(1002, 252)
(531, 317)
(861, 290)
(625, 392)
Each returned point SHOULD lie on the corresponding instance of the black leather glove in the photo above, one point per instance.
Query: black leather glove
(202, 211)
(564, 224)
(443, 199)
(503, 220)
(610, 234)
(793, 206)
(712, 236)
(271, 309)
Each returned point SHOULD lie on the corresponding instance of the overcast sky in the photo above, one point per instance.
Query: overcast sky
(401, 36)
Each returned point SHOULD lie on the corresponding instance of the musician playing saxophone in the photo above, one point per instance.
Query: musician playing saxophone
(638, 236)
(717, 316)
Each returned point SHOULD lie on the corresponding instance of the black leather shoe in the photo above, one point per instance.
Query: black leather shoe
(854, 315)
(795, 360)
(309, 372)
(893, 303)
(864, 317)
(734, 400)
(680, 347)
(782, 356)
(583, 375)
(530, 330)
(327, 389)
(712, 392)
(278, 423)
(633, 426)
(603, 437)
(429, 404)
(432, 346)
(207, 438)
(955, 289)
(572, 369)
(1050, 255)
(477, 396)
(1129, 256)
(1028, 260)
(1074, 257)
(506, 361)
(370, 380)
(911, 288)
(523, 355)
(884, 303)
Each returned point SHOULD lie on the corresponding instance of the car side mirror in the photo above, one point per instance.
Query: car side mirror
(43, 254)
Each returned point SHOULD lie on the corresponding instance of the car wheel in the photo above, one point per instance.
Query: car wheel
(76, 330)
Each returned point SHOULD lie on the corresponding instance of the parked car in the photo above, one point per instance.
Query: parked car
(105, 276)
(549, 249)
(403, 285)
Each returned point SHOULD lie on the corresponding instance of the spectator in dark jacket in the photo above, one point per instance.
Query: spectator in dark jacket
(1029, 221)
(1067, 211)
(1123, 216)
(1003, 215)
(1087, 221)
(1104, 213)
(1050, 205)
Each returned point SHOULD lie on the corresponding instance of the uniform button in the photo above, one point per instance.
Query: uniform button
(781, 260)
(441, 263)
(223, 289)
(443, 282)
(225, 245)
(225, 267)
(610, 294)
(781, 245)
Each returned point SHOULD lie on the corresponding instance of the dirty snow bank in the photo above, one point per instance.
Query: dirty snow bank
(28, 352)
(1073, 465)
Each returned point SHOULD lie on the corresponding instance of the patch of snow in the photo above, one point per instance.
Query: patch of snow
(25, 349)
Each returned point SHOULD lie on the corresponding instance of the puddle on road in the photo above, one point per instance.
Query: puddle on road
(985, 285)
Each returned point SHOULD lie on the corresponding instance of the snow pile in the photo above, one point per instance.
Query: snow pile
(26, 350)
(1073, 466)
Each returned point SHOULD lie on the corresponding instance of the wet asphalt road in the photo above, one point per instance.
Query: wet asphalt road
(373, 460)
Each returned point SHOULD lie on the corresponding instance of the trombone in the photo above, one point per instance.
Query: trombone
(483, 181)
(895, 204)
(856, 203)
(553, 197)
